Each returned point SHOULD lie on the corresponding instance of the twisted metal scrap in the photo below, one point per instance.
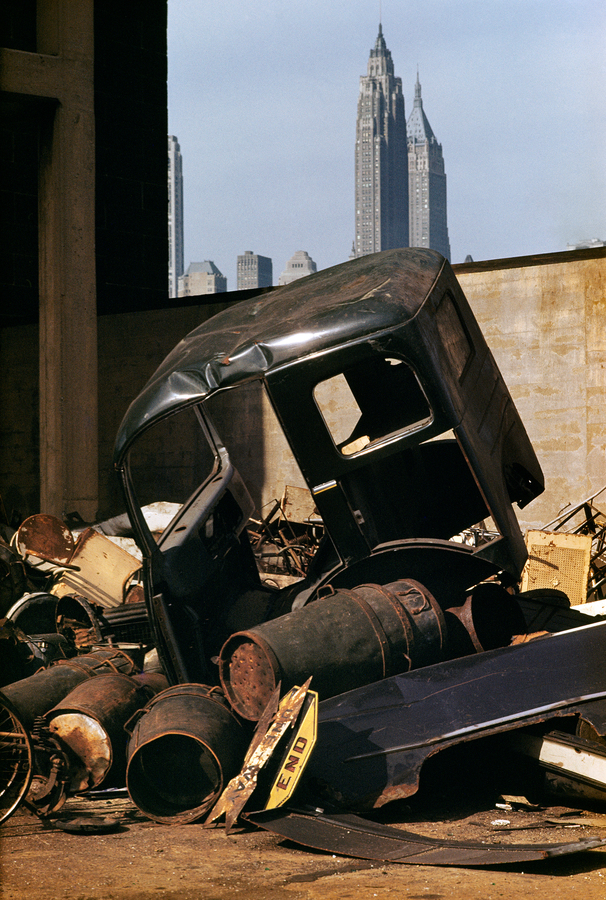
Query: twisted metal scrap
(272, 725)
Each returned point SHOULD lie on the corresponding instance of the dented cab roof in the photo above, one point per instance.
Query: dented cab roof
(336, 306)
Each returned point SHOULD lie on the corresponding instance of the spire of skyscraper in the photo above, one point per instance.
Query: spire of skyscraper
(427, 182)
(418, 128)
(380, 45)
(381, 55)
(381, 157)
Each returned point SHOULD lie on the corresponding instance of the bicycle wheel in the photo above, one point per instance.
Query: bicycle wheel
(15, 760)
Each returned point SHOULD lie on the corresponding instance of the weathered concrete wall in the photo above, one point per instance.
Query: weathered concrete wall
(545, 322)
(84, 124)
(130, 348)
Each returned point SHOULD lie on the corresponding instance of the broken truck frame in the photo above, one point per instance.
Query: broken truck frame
(433, 445)
(438, 444)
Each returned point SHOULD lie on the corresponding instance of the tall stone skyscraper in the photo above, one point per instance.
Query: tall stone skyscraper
(427, 183)
(175, 216)
(381, 157)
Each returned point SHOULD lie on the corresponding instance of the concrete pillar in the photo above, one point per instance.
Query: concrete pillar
(68, 317)
(62, 73)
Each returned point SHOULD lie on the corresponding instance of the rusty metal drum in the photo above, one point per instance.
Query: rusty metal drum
(90, 721)
(489, 618)
(184, 749)
(35, 695)
(344, 640)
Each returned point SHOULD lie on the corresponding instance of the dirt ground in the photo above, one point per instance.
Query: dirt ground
(142, 860)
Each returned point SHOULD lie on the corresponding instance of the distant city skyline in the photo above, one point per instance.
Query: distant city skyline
(298, 266)
(202, 278)
(514, 91)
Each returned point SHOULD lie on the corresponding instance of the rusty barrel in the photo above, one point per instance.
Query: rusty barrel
(345, 640)
(90, 721)
(183, 751)
(489, 618)
(35, 695)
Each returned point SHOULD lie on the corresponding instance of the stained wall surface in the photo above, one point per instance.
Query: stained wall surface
(544, 319)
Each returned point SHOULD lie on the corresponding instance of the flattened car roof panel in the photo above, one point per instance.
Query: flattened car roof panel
(337, 305)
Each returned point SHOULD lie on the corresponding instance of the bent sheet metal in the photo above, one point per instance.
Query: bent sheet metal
(346, 834)
(373, 741)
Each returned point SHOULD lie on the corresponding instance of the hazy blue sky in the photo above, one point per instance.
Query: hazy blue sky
(263, 96)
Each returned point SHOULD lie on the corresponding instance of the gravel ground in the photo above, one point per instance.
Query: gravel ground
(143, 860)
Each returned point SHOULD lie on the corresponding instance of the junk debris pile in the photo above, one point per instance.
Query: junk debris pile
(300, 668)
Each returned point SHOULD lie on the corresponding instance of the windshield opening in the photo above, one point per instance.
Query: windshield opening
(168, 463)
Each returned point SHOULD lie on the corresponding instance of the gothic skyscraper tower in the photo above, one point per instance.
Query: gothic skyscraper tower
(381, 157)
(427, 183)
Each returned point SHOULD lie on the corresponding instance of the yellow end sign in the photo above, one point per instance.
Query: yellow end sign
(297, 753)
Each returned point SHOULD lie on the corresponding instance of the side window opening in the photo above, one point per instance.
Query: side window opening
(371, 402)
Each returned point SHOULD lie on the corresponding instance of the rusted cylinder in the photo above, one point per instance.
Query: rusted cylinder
(488, 619)
(345, 640)
(90, 721)
(35, 695)
(183, 751)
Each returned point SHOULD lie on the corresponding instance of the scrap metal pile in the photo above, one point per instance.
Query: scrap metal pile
(211, 688)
